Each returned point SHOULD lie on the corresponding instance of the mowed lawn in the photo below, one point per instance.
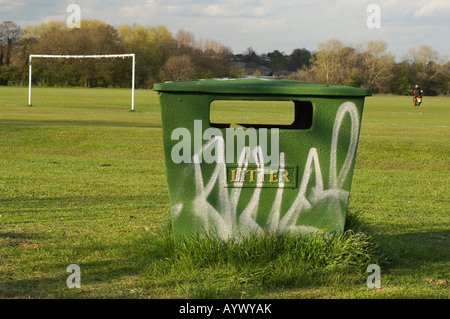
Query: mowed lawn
(82, 178)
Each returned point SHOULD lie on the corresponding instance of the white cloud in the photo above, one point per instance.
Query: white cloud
(9, 4)
(266, 25)
(150, 3)
(214, 10)
(388, 3)
(131, 11)
(59, 17)
(431, 7)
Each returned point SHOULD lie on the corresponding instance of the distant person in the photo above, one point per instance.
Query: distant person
(417, 91)
(417, 94)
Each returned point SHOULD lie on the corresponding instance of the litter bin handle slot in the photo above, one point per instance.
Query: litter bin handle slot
(261, 114)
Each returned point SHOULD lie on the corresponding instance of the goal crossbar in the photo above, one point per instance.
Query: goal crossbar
(132, 55)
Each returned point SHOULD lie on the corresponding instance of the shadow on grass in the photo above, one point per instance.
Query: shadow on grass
(409, 250)
(102, 279)
(151, 262)
(207, 267)
(76, 123)
(19, 236)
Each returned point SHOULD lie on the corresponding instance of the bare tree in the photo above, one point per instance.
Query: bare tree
(334, 62)
(376, 64)
(185, 41)
(425, 64)
(10, 34)
(178, 67)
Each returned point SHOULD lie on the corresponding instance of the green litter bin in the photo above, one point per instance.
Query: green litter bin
(231, 179)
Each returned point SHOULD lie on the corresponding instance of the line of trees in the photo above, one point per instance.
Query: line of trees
(162, 56)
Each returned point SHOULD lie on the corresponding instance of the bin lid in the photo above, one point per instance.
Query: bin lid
(260, 86)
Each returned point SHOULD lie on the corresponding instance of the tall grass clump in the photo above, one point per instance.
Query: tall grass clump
(208, 267)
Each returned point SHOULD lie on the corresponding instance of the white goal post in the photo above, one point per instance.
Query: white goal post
(132, 55)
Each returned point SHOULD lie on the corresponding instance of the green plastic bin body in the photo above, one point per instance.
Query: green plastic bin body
(296, 178)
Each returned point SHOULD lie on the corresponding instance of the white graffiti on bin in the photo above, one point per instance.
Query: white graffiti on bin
(223, 219)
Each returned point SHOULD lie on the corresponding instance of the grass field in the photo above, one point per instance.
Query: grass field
(82, 181)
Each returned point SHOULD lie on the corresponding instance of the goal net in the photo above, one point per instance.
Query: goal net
(132, 55)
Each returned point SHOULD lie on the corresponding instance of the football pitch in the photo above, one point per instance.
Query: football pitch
(83, 181)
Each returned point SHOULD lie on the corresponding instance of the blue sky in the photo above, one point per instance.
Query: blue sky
(264, 25)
